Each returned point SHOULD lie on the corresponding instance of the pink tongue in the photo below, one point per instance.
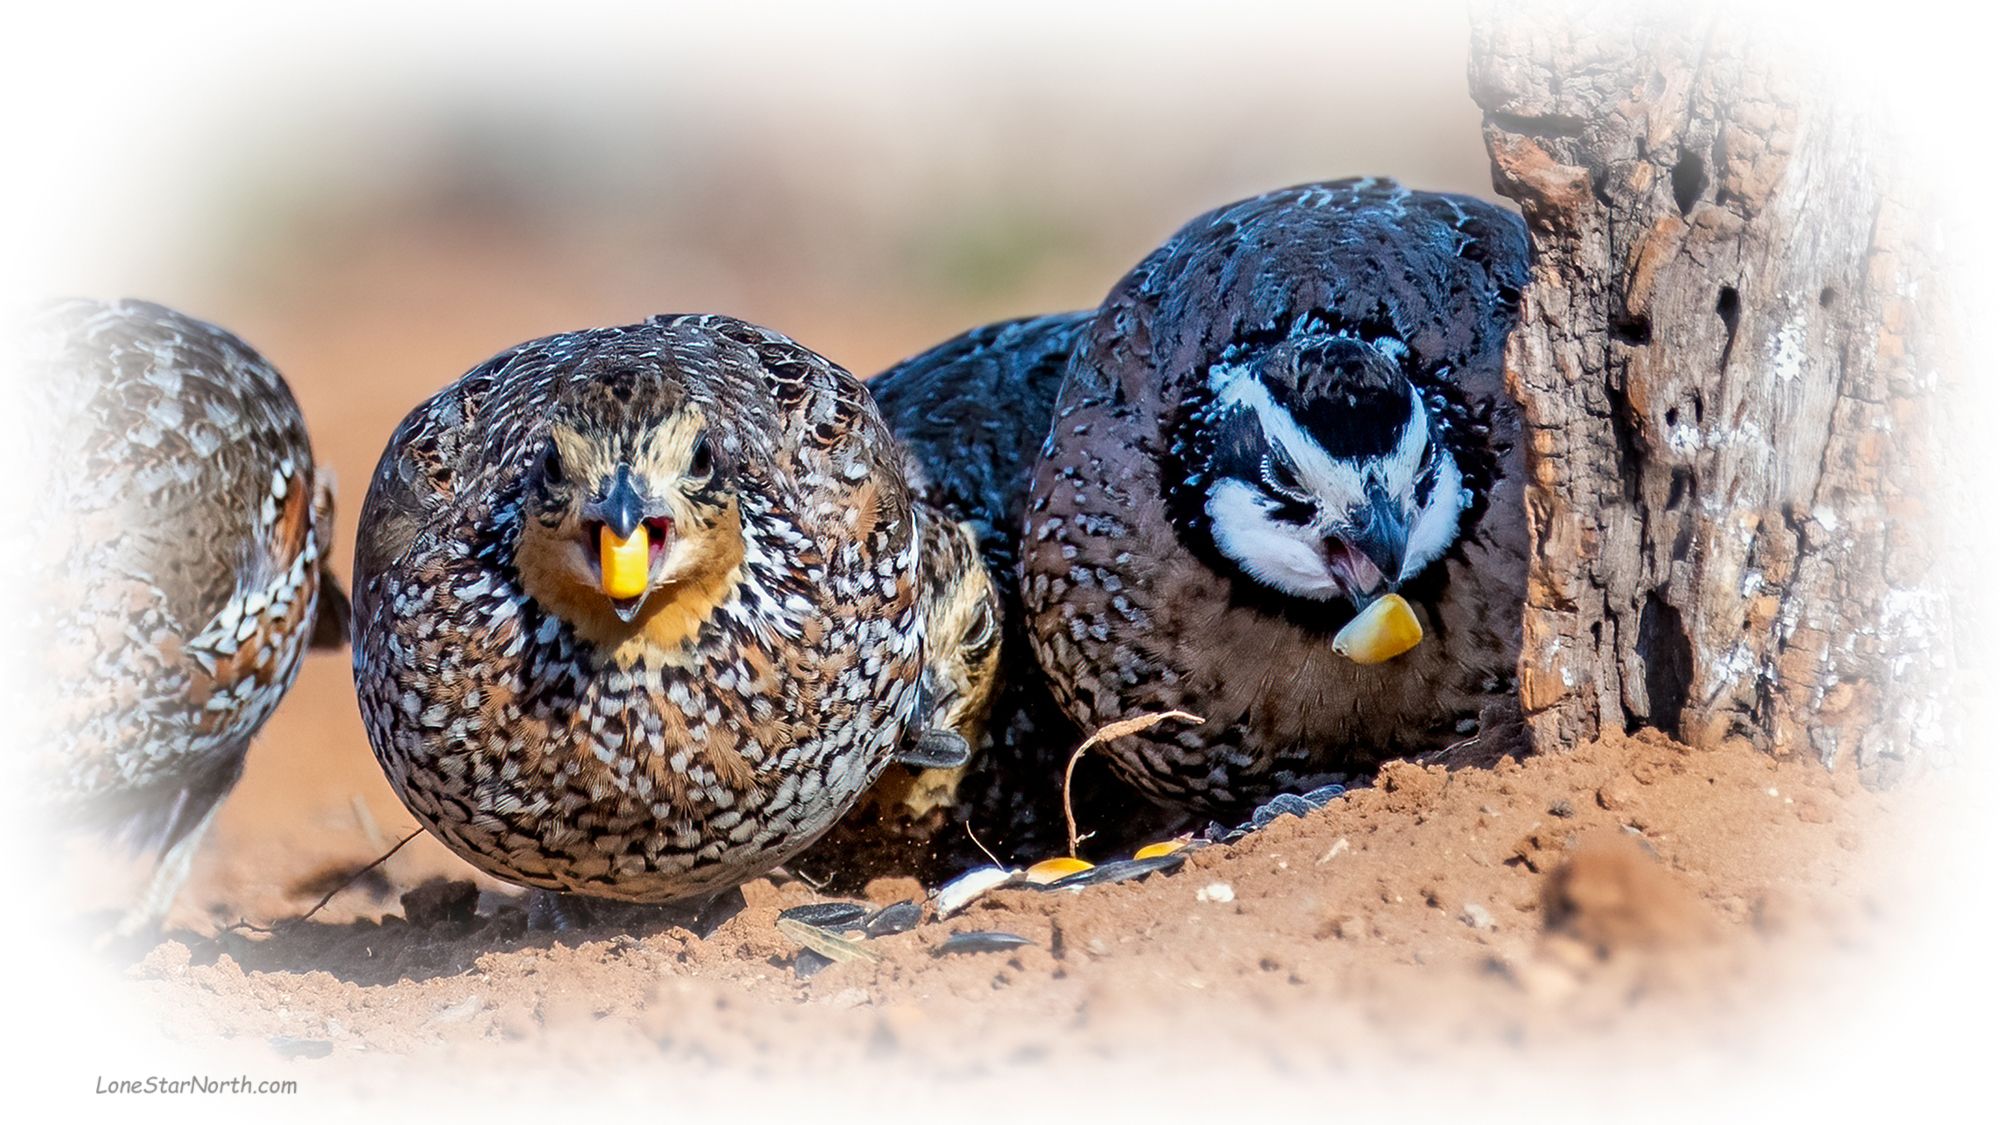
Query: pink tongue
(1356, 568)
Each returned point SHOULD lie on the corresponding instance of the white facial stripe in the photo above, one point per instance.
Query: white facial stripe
(1293, 558)
(1280, 555)
(1338, 485)
(1436, 526)
(1407, 460)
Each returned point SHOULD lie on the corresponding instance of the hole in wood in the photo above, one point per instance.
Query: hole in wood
(1634, 330)
(1669, 659)
(1689, 176)
(1682, 482)
(1726, 308)
(1625, 428)
(1827, 297)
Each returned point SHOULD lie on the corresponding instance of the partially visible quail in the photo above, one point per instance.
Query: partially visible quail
(640, 611)
(180, 569)
(891, 829)
(1292, 408)
(974, 412)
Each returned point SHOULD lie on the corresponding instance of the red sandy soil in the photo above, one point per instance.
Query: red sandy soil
(1627, 909)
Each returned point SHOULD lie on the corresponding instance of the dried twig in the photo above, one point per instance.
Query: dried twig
(384, 858)
(977, 843)
(1104, 734)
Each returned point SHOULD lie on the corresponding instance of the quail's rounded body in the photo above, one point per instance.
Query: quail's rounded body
(178, 573)
(638, 609)
(1291, 409)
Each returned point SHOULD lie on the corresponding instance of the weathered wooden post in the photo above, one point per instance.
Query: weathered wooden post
(1729, 361)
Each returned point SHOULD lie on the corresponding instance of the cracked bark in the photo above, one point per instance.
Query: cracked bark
(1727, 360)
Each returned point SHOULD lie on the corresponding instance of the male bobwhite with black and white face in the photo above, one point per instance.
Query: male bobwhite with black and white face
(1289, 418)
(179, 572)
(640, 611)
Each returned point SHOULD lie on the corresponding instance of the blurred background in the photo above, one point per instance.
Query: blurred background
(869, 180)
(378, 199)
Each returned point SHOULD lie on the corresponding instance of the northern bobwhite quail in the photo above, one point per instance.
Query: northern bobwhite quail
(180, 573)
(1291, 409)
(974, 412)
(640, 611)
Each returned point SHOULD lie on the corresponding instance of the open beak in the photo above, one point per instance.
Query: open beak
(1387, 629)
(628, 544)
(1382, 539)
(625, 562)
(1364, 552)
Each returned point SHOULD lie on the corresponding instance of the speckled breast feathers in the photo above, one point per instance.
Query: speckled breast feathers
(638, 609)
(180, 534)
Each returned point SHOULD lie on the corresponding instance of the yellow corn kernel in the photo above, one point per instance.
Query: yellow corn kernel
(1387, 628)
(625, 562)
(1049, 870)
(1164, 847)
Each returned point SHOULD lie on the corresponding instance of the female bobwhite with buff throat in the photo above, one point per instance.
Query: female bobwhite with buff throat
(640, 611)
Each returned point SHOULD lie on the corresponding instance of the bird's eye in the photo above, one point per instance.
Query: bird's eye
(552, 466)
(1282, 480)
(703, 461)
(1426, 479)
(980, 635)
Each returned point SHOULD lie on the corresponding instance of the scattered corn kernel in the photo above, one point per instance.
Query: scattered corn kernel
(1049, 870)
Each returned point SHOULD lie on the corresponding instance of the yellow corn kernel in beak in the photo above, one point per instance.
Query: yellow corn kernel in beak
(625, 562)
(1387, 628)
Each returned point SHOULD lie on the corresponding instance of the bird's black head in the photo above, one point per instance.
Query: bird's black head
(1314, 467)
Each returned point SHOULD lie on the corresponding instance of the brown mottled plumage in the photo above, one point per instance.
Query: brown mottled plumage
(1293, 407)
(671, 743)
(974, 412)
(179, 568)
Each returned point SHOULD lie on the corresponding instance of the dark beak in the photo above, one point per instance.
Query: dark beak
(1384, 538)
(626, 550)
(622, 508)
(1379, 534)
